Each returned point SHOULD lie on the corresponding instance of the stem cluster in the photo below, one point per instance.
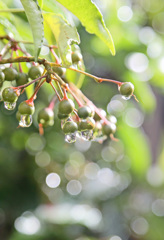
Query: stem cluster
(61, 86)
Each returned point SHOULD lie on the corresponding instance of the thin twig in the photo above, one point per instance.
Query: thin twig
(55, 91)
(33, 81)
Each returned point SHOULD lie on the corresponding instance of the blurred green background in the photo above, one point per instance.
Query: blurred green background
(51, 190)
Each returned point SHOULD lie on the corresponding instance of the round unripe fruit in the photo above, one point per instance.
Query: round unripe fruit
(97, 117)
(18, 116)
(10, 74)
(109, 129)
(2, 76)
(9, 95)
(34, 72)
(66, 106)
(70, 127)
(26, 108)
(62, 116)
(76, 57)
(87, 124)
(84, 112)
(60, 71)
(46, 117)
(126, 89)
(22, 78)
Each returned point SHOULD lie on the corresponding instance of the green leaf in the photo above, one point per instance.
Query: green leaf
(35, 20)
(65, 36)
(40, 2)
(91, 18)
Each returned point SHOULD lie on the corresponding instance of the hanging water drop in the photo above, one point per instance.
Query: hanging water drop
(9, 106)
(70, 138)
(25, 121)
(78, 134)
(87, 135)
(63, 121)
(100, 139)
(126, 97)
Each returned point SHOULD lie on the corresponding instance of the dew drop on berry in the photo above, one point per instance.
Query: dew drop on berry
(63, 121)
(70, 138)
(9, 105)
(78, 134)
(26, 120)
(100, 139)
(126, 97)
(87, 135)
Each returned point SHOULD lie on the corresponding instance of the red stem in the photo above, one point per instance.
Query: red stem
(75, 97)
(76, 115)
(26, 53)
(52, 103)
(65, 94)
(53, 46)
(55, 91)
(109, 80)
(32, 98)
(41, 130)
(55, 55)
(33, 81)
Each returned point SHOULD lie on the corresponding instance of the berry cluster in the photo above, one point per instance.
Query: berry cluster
(79, 119)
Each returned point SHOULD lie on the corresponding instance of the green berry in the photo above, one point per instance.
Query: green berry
(9, 95)
(1, 84)
(66, 106)
(87, 124)
(34, 72)
(76, 57)
(22, 78)
(109, 129)
(2, 76)
(126, 89)
(60, 71)
(84, 112)
(26, 109)
(97, 117)
(70, 127)
(62, 116)
(46, 117)
(18, 116)
(10, 74)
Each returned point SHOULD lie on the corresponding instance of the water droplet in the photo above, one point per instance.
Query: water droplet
(78, 134)
(70, 138)
(87, 135)
(126, 97)
(112, 119)
(100, 139)
(63, 121)
(9, 106)
(26, 120)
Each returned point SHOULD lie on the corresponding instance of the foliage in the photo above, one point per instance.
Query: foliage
(103, 190)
